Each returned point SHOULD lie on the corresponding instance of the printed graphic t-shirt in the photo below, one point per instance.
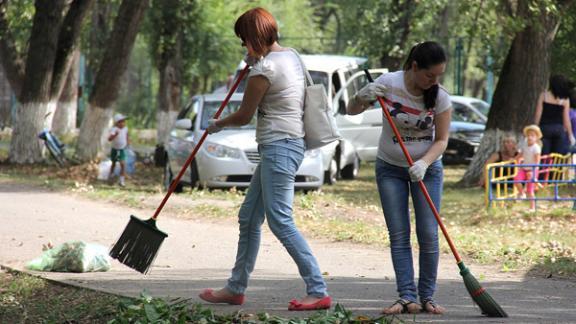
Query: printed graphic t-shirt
(414, 122)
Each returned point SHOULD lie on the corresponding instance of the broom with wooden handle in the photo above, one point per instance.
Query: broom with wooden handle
(139, 243)
(486, 303)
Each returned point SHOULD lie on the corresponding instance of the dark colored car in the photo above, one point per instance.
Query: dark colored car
(463, 142)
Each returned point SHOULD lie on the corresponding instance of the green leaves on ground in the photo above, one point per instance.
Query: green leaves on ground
(147, 309)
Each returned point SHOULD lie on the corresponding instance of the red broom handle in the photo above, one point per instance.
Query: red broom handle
(200, 142)
(420, 183)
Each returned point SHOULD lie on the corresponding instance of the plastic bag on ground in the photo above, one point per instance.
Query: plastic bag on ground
(130, 164)
(74, 256)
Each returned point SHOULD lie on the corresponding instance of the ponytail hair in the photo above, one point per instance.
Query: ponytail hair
(426, 55)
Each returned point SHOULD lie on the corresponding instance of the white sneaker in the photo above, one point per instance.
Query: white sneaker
(122, 183)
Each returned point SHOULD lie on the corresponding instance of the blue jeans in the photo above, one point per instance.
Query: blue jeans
(271, 194)
(394, 186)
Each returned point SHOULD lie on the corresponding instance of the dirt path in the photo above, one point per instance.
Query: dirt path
(200, 253)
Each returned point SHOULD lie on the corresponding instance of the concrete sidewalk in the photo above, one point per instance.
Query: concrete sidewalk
(199, 254)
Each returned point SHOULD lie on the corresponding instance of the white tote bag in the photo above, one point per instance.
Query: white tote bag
(319, 122)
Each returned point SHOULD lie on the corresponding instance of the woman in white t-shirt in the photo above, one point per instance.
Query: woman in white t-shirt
(275, 89)
(421, 110)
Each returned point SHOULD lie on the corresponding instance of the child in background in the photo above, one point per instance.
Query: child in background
(531, 155)
(119, 138)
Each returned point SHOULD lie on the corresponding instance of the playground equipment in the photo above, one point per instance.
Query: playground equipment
(555, 178)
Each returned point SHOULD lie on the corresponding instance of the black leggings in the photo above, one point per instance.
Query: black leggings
(554, 139)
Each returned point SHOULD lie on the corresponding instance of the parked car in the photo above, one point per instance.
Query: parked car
(463, 142)
(227, 158)
(468, 109)
(340, 159)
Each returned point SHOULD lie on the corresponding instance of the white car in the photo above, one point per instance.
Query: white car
(335, 72)
(227, 158)
(470, 110)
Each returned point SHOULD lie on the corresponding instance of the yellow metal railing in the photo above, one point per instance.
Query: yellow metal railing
(499, 177)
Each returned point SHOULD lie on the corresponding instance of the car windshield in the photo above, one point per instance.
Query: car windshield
(482, 107)
(210, 108)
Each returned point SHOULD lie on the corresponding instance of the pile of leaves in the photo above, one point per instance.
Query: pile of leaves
(147, 309)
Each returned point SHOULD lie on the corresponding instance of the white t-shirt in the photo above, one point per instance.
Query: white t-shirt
(529, 153)
(414, 122)
(121, 141)
(281, 109)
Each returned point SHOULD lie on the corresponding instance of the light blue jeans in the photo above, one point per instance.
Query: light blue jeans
(271, 194)
(394, 186)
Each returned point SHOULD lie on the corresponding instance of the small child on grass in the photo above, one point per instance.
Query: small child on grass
(119, 138)
(531, 155)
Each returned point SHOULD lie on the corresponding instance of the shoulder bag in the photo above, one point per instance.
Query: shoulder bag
(319, 123)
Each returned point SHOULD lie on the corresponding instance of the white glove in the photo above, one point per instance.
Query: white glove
(369, 93)
(572, 140)
(251, 60)
(418, 170)
(212, 127)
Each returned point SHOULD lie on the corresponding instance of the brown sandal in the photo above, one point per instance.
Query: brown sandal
(405, 310)
(437, 310)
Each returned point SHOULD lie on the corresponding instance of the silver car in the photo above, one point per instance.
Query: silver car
(227, 158)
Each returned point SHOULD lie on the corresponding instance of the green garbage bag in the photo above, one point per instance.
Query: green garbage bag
(74, 256)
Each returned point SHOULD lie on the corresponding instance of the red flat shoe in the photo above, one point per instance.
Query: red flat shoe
(207, 295)
(323, 303)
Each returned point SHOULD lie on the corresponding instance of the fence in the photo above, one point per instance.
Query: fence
(553, 173)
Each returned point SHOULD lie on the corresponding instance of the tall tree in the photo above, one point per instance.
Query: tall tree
(524, 74)
(38, 75)
(107, 82)
(170, 22)
(67, 106)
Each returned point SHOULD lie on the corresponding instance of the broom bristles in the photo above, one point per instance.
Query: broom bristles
(138, 245)
(482, 298)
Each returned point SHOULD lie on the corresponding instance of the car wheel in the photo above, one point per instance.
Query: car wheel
(331, 175)
(351, 170)
(169, 178)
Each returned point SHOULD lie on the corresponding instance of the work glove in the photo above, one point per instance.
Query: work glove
(251, 60)
(212, 127)
(368, 94)
(572, 140)
(418, 170)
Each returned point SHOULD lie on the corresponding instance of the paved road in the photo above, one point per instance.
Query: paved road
(199, 254)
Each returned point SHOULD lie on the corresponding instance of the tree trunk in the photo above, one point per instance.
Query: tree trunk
(524, 76)
(402, 27)
(65, 116)
(109, 77)
(168, 101)
(25, 146)
(92, 136)
(35, 97)
(9, 57)
(55, 30)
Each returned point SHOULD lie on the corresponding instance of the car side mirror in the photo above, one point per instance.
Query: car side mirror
(185, 124)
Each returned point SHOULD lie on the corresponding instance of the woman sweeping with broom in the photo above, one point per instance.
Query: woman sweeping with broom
(275, 88)
(421, 110)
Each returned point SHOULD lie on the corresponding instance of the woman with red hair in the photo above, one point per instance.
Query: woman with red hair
(275, 89)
